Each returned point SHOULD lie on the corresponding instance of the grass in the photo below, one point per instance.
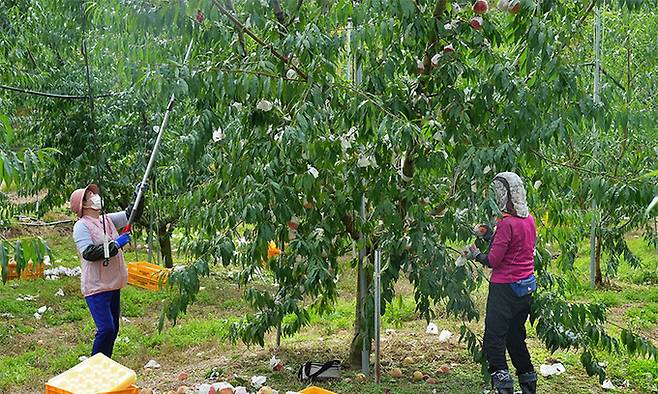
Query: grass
(32, 351)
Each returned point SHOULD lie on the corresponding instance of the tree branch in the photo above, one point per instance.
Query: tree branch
(259, 40)
(579, 22)
(580, 169)
(613, 79)
(32, 59)
(229, 4)
(280, 14)
(439, 9)
(256, 72)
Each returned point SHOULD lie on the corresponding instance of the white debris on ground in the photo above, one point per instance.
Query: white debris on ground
(215, 388)
(40, 312)
(25, 298)
(607, 385)
(203, 388)
(276, 364)
(125, 319)
(60, 293)
(82, 358)
(152, 364)
(547, 370)
(432, 329)
(225, 388)
(258, 381)
(444, 336)
(7, 315)
(61, 271)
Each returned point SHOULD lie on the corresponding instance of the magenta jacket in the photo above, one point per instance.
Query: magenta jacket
(511, 255)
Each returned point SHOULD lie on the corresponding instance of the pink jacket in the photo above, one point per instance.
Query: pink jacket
(512, 251)
(95, 277)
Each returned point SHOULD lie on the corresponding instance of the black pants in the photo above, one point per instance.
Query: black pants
(504, 327)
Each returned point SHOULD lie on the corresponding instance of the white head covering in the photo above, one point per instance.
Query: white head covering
(510, 194)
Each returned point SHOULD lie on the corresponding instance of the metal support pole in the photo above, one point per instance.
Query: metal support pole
(349, 49)
(363, 294)
(597, 82)
(378, 300)
(149, 239)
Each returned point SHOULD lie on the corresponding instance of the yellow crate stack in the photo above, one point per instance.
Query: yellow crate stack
(29, 272)
(147, 276)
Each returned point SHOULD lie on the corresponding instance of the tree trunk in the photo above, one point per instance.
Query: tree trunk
(598, 280)
(164, 238)
(362, 323)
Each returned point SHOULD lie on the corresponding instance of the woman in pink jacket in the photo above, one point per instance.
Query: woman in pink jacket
(511, 258)
(102, 279)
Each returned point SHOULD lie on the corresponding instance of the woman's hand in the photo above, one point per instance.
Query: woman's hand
(471, 252)
(122, 240)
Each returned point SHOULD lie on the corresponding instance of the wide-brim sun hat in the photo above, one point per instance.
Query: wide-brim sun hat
(78, 196)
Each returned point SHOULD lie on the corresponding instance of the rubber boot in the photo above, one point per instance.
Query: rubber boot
(528, 382)
(502, 382)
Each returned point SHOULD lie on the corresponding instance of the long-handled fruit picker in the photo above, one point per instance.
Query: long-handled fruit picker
(156, 148)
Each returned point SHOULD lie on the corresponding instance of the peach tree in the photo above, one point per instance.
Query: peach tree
(443, 98)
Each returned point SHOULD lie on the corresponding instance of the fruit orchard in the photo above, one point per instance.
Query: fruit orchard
(337, 128)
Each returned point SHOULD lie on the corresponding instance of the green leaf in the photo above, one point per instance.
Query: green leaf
(9, 130)
(4, 262)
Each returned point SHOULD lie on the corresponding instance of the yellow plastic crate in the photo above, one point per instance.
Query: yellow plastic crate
(128, 390)
(147, 276)
(316, 390)
(95, 375)
(29, 272)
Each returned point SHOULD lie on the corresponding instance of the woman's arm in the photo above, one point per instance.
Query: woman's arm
(499, 245)
(86, 247)
(120, 219)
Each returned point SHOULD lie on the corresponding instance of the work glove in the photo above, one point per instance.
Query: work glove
(122, 240)
(471, 252)
(144, 186)
(140, 206)
(484, 231)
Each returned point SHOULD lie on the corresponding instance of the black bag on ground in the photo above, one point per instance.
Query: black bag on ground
(319, 371)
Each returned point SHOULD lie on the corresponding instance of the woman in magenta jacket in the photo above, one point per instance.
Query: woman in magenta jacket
(511, 258)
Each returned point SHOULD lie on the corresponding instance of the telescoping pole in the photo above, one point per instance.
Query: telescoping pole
(158, 141)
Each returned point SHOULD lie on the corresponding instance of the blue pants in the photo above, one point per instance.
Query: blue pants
(105, 308)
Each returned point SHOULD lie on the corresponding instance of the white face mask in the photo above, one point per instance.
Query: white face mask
(96, 202)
